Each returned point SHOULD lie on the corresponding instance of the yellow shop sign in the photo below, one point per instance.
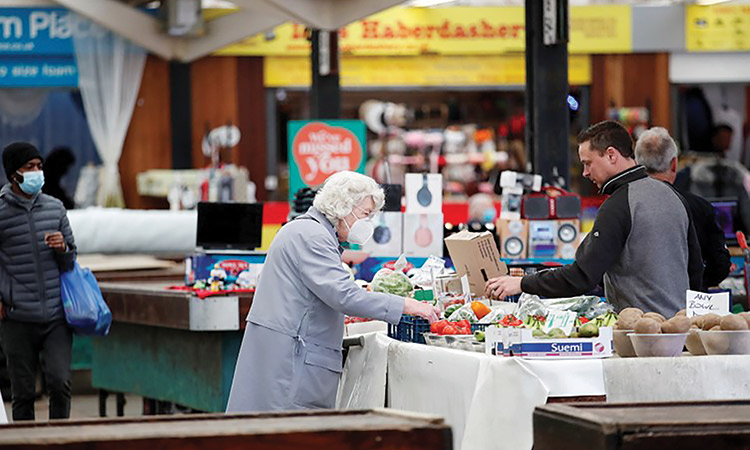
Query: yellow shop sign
(448, 31)
(429, 70)
(717, 28)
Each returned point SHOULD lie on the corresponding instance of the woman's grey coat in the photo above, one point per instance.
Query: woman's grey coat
(290, 356)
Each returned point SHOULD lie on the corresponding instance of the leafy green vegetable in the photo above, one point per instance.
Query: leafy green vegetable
(392, 282)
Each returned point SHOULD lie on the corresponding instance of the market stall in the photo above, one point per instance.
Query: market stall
(489, 400)
(163, 343)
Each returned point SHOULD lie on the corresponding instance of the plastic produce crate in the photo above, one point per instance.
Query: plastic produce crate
(478, 327)
(409, 329)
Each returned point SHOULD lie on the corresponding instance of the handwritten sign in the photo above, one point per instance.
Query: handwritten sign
(564, 320)
(700, 303)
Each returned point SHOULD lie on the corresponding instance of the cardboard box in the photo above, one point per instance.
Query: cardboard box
(424, 193)
(521, 342)
(387, 240)
(423, 235)
(475, 255)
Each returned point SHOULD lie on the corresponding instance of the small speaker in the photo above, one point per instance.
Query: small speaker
(542, 238)
(568, 238)
(514, 235)
(567, 207)
(393, 194)
(535, 207)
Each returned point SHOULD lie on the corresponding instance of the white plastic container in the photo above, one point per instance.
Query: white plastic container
(726, 342)
(668, 344)
(623, 345)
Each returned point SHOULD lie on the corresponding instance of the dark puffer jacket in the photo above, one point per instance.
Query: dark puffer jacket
(29, 269)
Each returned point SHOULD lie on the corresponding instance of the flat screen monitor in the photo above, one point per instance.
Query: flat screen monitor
(229, 226)
(726, 213)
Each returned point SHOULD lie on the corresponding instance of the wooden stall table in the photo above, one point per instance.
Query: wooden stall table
(169, 345)
(332, 430)
(643, 426)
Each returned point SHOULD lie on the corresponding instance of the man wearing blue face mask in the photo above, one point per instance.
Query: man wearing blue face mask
(36, 244)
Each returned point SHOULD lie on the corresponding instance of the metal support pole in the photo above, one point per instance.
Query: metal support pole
(325, 93)
(547, 116)
(180, 115)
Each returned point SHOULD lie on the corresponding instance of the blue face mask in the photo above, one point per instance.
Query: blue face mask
(33, 181)
(489, 215)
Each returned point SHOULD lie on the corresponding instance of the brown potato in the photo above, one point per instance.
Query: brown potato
(626, 323)
(628, 311)
(647, 326)
(732, 322)
(677, 324)
(697, 321)
(746, 316)
(681, 312)
(711, 320)
(716, 328)
(655, 316)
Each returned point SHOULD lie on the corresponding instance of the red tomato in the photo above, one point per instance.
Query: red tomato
(449, 329)
(439, 325)
(465, 323)
(433, 327)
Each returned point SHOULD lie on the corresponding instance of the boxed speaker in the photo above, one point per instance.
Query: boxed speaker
(423, 235)
(542, 239)
(568, 238)
(535, 207)
(514, 237)
(424, 193)
(566, 206)
(387, 239)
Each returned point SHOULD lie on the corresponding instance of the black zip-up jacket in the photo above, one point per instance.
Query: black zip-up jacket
(29, 269)
(711, 238)
(643, 245)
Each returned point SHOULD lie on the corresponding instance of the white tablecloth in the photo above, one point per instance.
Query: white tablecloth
(3, 416)
(682, 379)
(489, 401)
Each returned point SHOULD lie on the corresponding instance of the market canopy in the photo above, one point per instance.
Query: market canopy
(128, 19)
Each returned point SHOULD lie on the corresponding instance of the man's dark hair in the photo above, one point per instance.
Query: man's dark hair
(608, 134)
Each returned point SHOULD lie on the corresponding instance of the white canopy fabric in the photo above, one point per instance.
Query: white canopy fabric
(109, 76)
(114, 230)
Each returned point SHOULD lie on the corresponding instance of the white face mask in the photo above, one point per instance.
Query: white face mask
(361, 231)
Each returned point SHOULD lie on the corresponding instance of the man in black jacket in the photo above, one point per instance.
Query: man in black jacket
(642, 245)
(657, 152)
(36, 244)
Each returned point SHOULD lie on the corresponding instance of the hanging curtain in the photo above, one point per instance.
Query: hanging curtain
(109, 76)
(21, 106)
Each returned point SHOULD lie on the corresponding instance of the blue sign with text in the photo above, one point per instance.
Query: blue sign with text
(35, 31)
(36, 48)
(47, 72)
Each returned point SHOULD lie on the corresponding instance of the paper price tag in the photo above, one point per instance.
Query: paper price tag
(564, 320)
(700, 303)
(465, 288)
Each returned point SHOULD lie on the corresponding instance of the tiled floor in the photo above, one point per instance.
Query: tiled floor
(87, 406)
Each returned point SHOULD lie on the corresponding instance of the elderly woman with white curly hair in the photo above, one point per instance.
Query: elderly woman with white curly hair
(290, 356)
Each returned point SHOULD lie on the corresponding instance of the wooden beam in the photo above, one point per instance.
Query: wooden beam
(25, 3)
(227, 30)
(326, 14)
(126, 21)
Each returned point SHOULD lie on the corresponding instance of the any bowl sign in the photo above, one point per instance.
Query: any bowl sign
(319, 149)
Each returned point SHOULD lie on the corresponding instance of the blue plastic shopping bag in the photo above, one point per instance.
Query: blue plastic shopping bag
(85, 309)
